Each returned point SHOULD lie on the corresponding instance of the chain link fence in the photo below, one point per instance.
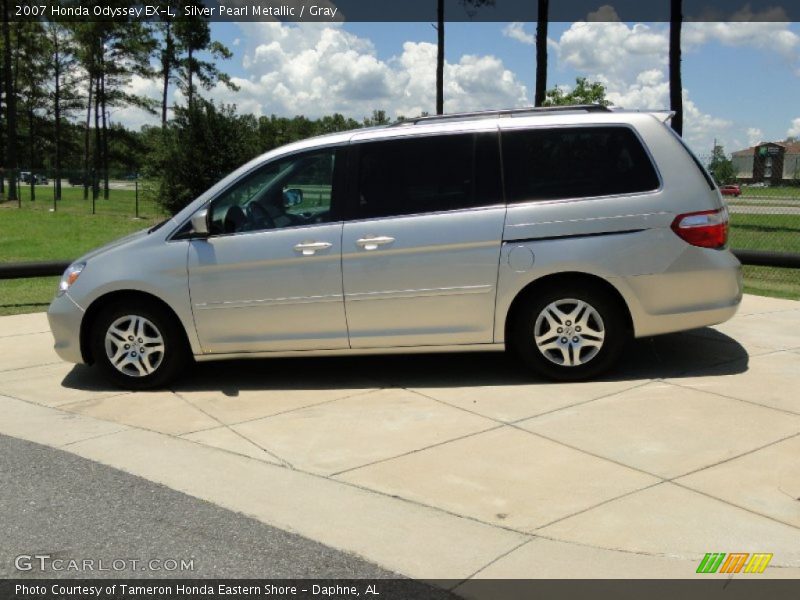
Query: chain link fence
(765, 215)
(764, 207)
(127, 195)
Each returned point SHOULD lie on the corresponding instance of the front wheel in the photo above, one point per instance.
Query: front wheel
(138, 345)
(569, 333)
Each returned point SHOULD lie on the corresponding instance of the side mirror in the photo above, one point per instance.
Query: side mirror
(200, 223)
(292, 197)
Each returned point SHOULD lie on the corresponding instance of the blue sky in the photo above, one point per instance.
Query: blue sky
(742, 80)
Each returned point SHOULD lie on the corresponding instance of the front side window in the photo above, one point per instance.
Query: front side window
(289, 192)
(575, 162)
(427, 174)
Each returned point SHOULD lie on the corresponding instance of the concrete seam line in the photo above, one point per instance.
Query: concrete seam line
(416, 450)
(290, 410)
(280, 459)
(603, 503)
(491, 562)
(58, 362)
(732, 458)
(721, 395)
(10, 335)
(729, 503)
(587, 453)
(95, 437)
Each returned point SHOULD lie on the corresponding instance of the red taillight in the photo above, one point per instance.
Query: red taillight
(707, 229)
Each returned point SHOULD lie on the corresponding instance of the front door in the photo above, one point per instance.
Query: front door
(269, 278)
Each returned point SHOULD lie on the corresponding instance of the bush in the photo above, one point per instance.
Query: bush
(198, 148)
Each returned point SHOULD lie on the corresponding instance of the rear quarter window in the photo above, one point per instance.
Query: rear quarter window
(575, 162)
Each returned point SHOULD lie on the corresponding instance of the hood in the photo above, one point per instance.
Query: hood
(123, 241)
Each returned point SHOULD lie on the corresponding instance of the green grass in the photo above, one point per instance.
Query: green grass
(780, 233)
(34, 233)
(783, 191)
(122, 200)
(31, 235)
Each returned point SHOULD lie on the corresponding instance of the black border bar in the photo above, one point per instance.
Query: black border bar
(409, 10)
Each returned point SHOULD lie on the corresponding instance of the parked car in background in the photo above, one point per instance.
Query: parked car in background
(26, 176)
(595, 227)
(74, 180)
(731, 190)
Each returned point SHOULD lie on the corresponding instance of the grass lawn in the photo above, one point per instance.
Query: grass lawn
(779, 233)
(34, 233)
(29, 235)
(784, 191)
(122, 200)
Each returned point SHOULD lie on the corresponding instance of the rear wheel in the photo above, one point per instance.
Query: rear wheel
(138, 345)
(569, 333)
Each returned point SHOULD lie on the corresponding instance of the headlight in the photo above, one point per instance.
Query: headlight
(69, 277)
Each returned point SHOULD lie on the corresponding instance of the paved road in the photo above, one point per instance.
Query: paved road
(55, 503)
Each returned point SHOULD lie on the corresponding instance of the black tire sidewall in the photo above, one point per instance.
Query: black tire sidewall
(175, 352)
(617, 332)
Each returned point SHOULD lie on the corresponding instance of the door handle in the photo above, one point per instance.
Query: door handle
(311, 248)
(372, 242)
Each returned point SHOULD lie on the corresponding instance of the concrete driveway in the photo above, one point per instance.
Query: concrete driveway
(461, 466)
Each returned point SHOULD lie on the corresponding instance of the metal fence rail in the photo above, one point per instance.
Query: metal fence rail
(26, 270)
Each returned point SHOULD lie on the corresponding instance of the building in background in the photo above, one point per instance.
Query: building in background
(771, 163)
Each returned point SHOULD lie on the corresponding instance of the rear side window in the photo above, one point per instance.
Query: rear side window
(575, 162)
(427, 174)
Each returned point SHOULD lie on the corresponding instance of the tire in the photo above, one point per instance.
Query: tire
(139, 325)
(585, 348)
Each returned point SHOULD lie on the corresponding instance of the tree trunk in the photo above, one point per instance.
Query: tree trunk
(190, 68)
(31, 154)
(541, 52)
(96, 161)
(166, 65)
(104, 127)
(86, 140)
(440, 58)
(11, 108)
(675, 83)
(57, 115)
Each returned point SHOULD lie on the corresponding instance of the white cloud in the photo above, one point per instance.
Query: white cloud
(754, 136)
(316, 69)
(133, 117)
(771, 36)
(319, 69)
(632, 60)
(794, 130)
(516, 31)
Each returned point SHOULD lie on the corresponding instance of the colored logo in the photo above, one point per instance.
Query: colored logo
(735, 562)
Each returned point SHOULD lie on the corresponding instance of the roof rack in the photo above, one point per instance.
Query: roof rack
(508, 112)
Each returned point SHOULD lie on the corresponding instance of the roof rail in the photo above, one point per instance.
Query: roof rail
(508, 112)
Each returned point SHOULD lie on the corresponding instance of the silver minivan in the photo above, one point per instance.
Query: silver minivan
(556, 233)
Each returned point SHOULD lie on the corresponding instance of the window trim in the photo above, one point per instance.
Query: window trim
(628, 126)
(351, 213)
(338, 201)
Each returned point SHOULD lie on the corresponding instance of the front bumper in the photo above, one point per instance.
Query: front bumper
(65, 318)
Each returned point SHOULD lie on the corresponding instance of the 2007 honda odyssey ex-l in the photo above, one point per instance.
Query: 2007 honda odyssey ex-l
(558, 234)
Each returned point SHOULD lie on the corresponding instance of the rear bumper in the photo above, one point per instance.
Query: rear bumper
(703, 287)
(65, 318)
